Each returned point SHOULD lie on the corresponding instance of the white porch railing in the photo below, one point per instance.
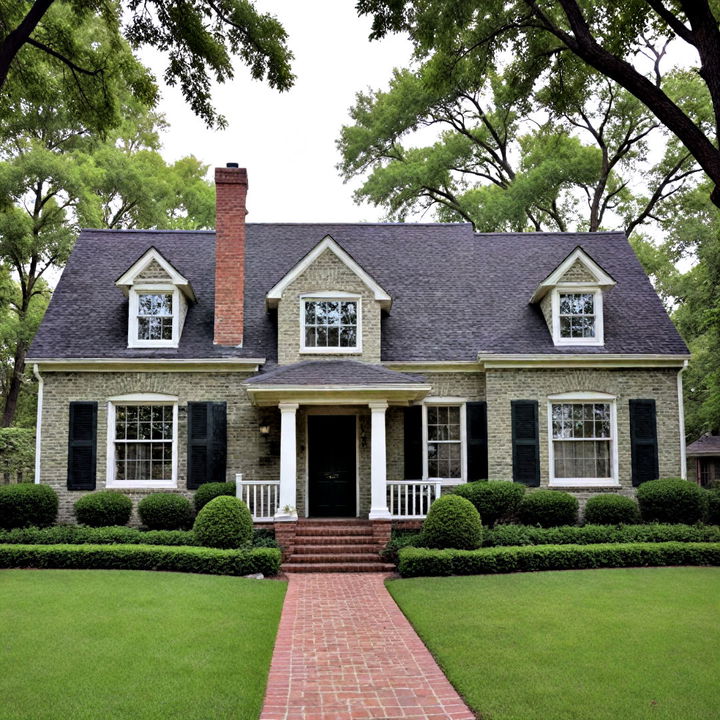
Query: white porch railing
(411, 500)
(261, 497)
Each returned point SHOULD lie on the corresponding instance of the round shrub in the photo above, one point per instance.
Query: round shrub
(548, 508)
(27, 504)
(224, 522)
(671, 500)
(103, 508)
(208, 491)
(452, 522)
(611, 509)
(495, 500)
(713, 507)
(165, 511)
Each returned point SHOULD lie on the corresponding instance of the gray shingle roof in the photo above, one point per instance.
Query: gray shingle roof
(706, 445)
(333, 372)
(455, 293)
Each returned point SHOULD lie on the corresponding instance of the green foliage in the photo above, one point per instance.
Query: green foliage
(103, 508)
(415, 562)
(548, 508)
(452, 522)
(166, 511)
(225, 522)
(17, 451)
(495, 500)
(713, 506)
(208, 491)
(611, 509)
(671, 500)
(27, 504)
(205, 560)
(398, 540)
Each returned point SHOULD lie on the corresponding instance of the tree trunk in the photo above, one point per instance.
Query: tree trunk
(11, 400)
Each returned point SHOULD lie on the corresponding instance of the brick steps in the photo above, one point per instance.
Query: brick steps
(335, 545)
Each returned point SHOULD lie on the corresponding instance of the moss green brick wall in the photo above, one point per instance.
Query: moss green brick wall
(326, 274)
(248, 452)
(520, 384)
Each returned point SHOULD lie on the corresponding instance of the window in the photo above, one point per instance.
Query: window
(577, 315)
(444, 433)
(155, 316)
(331, 325)
(142, 444)
(582, 443)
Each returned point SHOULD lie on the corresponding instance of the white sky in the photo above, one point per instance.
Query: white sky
(287, 140)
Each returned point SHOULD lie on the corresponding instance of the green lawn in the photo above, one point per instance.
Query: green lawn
(591, 644)
(103, 644)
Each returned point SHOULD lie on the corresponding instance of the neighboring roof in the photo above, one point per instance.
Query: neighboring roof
(333, 372)
(455, 293)
(706, 445)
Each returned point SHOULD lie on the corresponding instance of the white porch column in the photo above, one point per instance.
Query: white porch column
(378, 463)
(288, 463)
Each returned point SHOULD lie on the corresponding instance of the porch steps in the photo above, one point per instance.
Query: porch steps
(342, 545)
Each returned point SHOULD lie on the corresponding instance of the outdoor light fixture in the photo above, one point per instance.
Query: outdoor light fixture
(264, 429)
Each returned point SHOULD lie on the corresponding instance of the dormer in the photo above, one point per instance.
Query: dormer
(571, 300)
(328, 306)
(158, 298)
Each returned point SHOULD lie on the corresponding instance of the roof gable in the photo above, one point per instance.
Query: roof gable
(328, 244)
(578, 268)
(152, 266)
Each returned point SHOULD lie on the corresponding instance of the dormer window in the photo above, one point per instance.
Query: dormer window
(577, 315)
(330, 324)
(158, 297)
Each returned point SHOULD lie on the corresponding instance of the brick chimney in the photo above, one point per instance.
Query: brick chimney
(231, 186)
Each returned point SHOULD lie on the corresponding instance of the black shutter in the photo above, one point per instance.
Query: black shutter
(477, 447)
(82, 446)
(413, 443)
(207, 443)
(525, 442)
(643, 439)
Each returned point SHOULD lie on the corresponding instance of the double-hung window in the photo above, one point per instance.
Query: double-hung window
(582, 443)
(577, 316)
(155, 316)
(330, 325)
(444, 442)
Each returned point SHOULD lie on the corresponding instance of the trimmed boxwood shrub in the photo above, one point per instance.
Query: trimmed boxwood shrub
(495, 500)
(142, 557)
(224, 522)
(209, 491)
(611, 509)
(548, 508)
(671, 500)
(103, 508)
(713, 506)
(452, 522)
(165, 511)
(399, 539)
(416, 562)
(27, 504)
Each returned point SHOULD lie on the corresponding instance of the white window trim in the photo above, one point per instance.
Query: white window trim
(140, 399)
(578, 288)
(579, 398)
(149, 288)
(339, 296)
(454, 402)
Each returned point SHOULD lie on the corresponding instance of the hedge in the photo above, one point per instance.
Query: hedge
(166, 511)
(209, 561)
(103, 508)
(548, 508)
(25, 505)
(495, 500)
(416, 562)
(452, 522)
(116, 535)
(671, 500)
(225, 522)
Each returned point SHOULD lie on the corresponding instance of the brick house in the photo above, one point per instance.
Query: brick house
(353, 370)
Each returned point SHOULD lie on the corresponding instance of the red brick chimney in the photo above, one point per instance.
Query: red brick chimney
(231, 186)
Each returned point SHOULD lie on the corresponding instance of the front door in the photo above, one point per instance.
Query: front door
(331, 465)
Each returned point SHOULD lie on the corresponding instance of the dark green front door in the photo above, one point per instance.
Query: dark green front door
(331, 465)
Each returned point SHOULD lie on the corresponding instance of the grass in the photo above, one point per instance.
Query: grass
(91, 644)
(631, 643)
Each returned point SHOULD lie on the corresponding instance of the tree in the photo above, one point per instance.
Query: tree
(565, 37)
(507, 158)
(200, 38)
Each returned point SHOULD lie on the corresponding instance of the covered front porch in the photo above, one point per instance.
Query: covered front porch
(340, 428)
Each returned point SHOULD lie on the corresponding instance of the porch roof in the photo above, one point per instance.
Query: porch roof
(322, 382)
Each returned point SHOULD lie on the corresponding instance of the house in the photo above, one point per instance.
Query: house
(353, 370)
(704, 460)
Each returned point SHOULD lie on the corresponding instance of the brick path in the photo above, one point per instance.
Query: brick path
(344, 651)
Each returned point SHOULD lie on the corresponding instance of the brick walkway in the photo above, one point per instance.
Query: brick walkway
(344, 651)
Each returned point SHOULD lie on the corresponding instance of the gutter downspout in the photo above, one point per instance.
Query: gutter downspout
(681, 411)
(38, 423)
